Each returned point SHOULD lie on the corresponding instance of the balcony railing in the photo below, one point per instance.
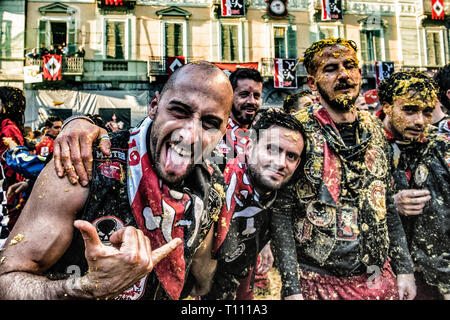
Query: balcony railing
(157, 65)
(267, 68)
(70, 65)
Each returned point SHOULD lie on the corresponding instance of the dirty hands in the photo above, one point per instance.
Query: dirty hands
(72, 150)
(113, 269)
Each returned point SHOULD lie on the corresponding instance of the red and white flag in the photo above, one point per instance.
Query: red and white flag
(173, 63)
(285, 74)
(52, 67)
(383, 70)
(437, 9)
(233, 8)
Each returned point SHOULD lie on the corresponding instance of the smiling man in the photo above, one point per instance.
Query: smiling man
(52, 128)
(272, 156)
(422, 176)
(339, 217)
(247, 97)
(153, 190)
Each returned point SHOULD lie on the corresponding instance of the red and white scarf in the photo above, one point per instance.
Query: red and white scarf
(157, 210)
(239, 188)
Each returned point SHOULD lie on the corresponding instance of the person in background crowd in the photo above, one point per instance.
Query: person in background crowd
(28, 133)
(441, 119)
(361, 103)
(37, 135)
(80, 52)
(64, 49)
(33, 54)
(125, 230)
(43, 50)
(339, 217)
(247, 97)
(272, 156)
(59, 50)
(422, 177)
(247, 88)
(52, 128)
(52, 49)
(298, 101)
(12, 104)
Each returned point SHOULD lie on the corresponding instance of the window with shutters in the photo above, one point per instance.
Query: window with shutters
(174, 39)
(371, 45)
(230, 42)
(5, 38)
(434, 48)
(280, 42)
(58, 33)
(328, 32)
(284, 42)
(116, 43)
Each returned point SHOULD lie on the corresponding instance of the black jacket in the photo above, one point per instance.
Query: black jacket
(428, 234)
(362, 228)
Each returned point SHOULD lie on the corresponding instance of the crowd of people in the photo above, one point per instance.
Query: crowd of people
(209, 191)
(58, 49)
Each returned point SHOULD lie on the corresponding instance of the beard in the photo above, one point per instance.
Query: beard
(399, 132)
(242, 117)
(341, 103)
(260, 182)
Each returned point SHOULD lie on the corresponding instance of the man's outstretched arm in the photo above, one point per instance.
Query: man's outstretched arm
(43, 233)
(40, 236)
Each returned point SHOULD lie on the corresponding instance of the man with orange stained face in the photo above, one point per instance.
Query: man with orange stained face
(422, 176)
(340, 214)
(298, 101)
(152, 193)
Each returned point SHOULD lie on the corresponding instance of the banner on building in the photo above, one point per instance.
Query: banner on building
(173, 63)
(228, 68)
(52, 65)
(383, 70)
(437, 8)
(285, 73)
(277, 8)
(331, 9)
(31, 74)
(128, 107)
(233, 8)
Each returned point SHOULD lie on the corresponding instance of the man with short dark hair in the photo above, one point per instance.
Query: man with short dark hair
(422, 176)
(339, 216)
(247, 86)
(441, 119)
(52, 128)
(153, 192)
(272, 156)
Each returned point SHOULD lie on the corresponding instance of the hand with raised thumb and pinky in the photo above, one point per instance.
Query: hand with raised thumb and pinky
(114, 269)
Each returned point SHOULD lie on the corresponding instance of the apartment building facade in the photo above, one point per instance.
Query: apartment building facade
(130, 45)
